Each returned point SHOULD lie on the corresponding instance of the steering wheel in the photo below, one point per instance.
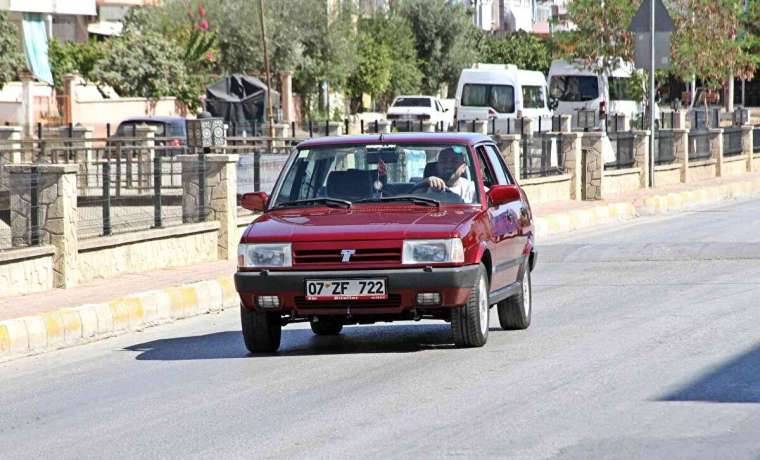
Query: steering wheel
(445, 194)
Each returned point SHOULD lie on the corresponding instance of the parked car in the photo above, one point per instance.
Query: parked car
(169, 130)
(413, 109)
(362, 229)
(573, 87)
(502, 92)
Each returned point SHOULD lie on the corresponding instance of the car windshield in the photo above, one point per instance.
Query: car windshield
(622, 89)
(574, 88)
(499, 97)
(381, 172)
(412, 102)
(533, 97)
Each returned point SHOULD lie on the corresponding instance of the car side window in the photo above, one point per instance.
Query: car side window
(489, 179)
(497, 161)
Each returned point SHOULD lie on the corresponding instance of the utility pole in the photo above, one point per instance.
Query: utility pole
(270, 114)
(652, 98)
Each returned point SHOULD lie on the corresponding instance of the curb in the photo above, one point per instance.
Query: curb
(66, 327)
(651, 205)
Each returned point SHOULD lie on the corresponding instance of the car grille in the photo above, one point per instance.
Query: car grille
(334, 256)
(393, 301)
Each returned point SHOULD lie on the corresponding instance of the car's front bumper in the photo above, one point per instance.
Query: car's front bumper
(452, 283)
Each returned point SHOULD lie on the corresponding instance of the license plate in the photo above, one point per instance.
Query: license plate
(346, 289)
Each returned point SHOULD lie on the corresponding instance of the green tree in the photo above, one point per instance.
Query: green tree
(600, 39)
(73, 58)
(526, 51)
(442, 30)
(705, 44)
(143, 64)
(11, 60)
(386, 63)
(749, 40)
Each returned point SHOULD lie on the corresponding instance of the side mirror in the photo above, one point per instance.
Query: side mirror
(503, 194)
(256, 201)
(445, 109)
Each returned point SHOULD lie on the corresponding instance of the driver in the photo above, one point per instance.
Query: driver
(449, 170)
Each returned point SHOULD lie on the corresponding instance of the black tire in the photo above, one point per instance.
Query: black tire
(515, 312)
(469, 324)
(326, 326)
(261, 330)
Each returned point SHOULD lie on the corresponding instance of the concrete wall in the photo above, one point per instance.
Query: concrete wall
(621, 181)
(26, 270)
(667, 174)
(12, 112)
(756, 163)
(701, 170)
(733, 166)
(547, 189)
(147, 250)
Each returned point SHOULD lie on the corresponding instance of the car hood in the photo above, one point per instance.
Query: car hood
(359, 223)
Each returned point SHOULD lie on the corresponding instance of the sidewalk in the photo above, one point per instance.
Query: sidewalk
(61, 318)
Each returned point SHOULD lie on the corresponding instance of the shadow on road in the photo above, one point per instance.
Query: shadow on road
(736, 381)
(300, 342)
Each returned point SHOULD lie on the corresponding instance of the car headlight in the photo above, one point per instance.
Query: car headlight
(275, 255)
(433, 251)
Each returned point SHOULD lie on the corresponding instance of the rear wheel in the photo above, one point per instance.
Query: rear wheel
(261, 330)
(326, 326)
(469, 323)
(515, 312)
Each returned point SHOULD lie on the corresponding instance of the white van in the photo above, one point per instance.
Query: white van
(501, 92)
(573, 87)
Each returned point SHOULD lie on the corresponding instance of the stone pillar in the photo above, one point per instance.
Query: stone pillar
(481, 126)
(716, 150)
(143, 156)
(565, 123)
(57, 214)
(68, 98)
(509, 145)
(641, 155)
(572, 151)
(11, 137)
(680, 120)
(288, 111)
(220, 197)
(428, 127)
(681, 151)
(593, 165)
(524, 126)
(747, 139)
(27, 99)
(620, 122)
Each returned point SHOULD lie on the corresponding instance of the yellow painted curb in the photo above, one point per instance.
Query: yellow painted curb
(119, 314)
(36, 332)
(183, 301)
(53, 327)
(73, 329)
(5, 339)
(229, 293)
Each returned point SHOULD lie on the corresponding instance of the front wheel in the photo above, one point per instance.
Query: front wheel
(515, 312)
(261, 330)
(469, 323)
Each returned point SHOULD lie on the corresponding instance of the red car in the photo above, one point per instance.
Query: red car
(361, 229)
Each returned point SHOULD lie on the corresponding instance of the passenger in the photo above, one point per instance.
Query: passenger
(450, 169)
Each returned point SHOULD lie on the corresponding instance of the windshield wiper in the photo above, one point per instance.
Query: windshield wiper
(421, 200)
(332, 202)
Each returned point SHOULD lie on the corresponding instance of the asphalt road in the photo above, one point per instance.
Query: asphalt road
(645, 343)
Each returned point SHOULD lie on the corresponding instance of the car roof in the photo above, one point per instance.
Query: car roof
(421, 138)
(155, 119)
